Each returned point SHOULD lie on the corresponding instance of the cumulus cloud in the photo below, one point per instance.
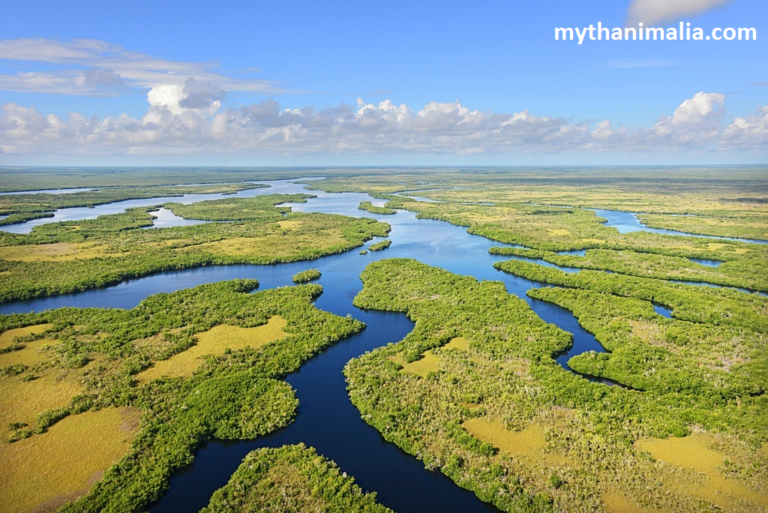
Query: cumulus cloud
(188, 119)
(748, 132)
(652, 12)
(203, 97)
(88, 67)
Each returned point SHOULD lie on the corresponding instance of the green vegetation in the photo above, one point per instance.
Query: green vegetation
(720, 307)
(234, 395)
(305, 276)
(380, 245)
(112, 248)
(737, 272)
(502, 418)
(291, 478)
(369, 207)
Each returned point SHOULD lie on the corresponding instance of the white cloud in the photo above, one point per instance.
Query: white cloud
(188, 119)
(749, 132)
(652, 12)
(695, 122)
(202, 97)
(88, 67)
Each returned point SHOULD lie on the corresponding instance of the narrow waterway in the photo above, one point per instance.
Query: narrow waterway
(327, 420)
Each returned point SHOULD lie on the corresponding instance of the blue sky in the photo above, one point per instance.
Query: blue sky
(497, 58)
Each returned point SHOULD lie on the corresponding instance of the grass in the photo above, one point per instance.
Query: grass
(616, 502)
(44, 472)
(459, 343)
(422, 367)
(8, 336)
(289, 225)
(215, 342)
(695, 452)
(22, 401)
(32, 353)
(529, 443)
(59, 251)
(429, 361)
(270, 245)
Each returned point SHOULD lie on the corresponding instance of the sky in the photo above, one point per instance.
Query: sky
(378, 83)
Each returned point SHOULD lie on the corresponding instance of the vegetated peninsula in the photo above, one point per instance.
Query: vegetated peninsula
(475, 392)
(369, 207)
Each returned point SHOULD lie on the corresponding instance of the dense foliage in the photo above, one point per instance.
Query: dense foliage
(380, 245)
(305, 276)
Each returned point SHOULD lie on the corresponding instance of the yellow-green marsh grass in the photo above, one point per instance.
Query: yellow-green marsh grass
(32, 353)
(694, 452)
(459, 343)
(273, 245)
(423, 366)
(60, 251)
(528, 443)
(290, 225)
(7, 337)
(214, 342)
(22, 401)
(616, 502)
(44, 472)
(429, 361)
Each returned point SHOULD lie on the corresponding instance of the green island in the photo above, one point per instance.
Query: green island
(305, 276)
(380, 245)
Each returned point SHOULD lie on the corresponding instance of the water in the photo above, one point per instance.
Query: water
(164, 218)
(574, 252)
(627, 222)
(327, 420)
(664, 312)
(706, 261)
(49, 191)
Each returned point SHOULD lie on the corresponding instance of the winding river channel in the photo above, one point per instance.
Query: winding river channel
(327, 420)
